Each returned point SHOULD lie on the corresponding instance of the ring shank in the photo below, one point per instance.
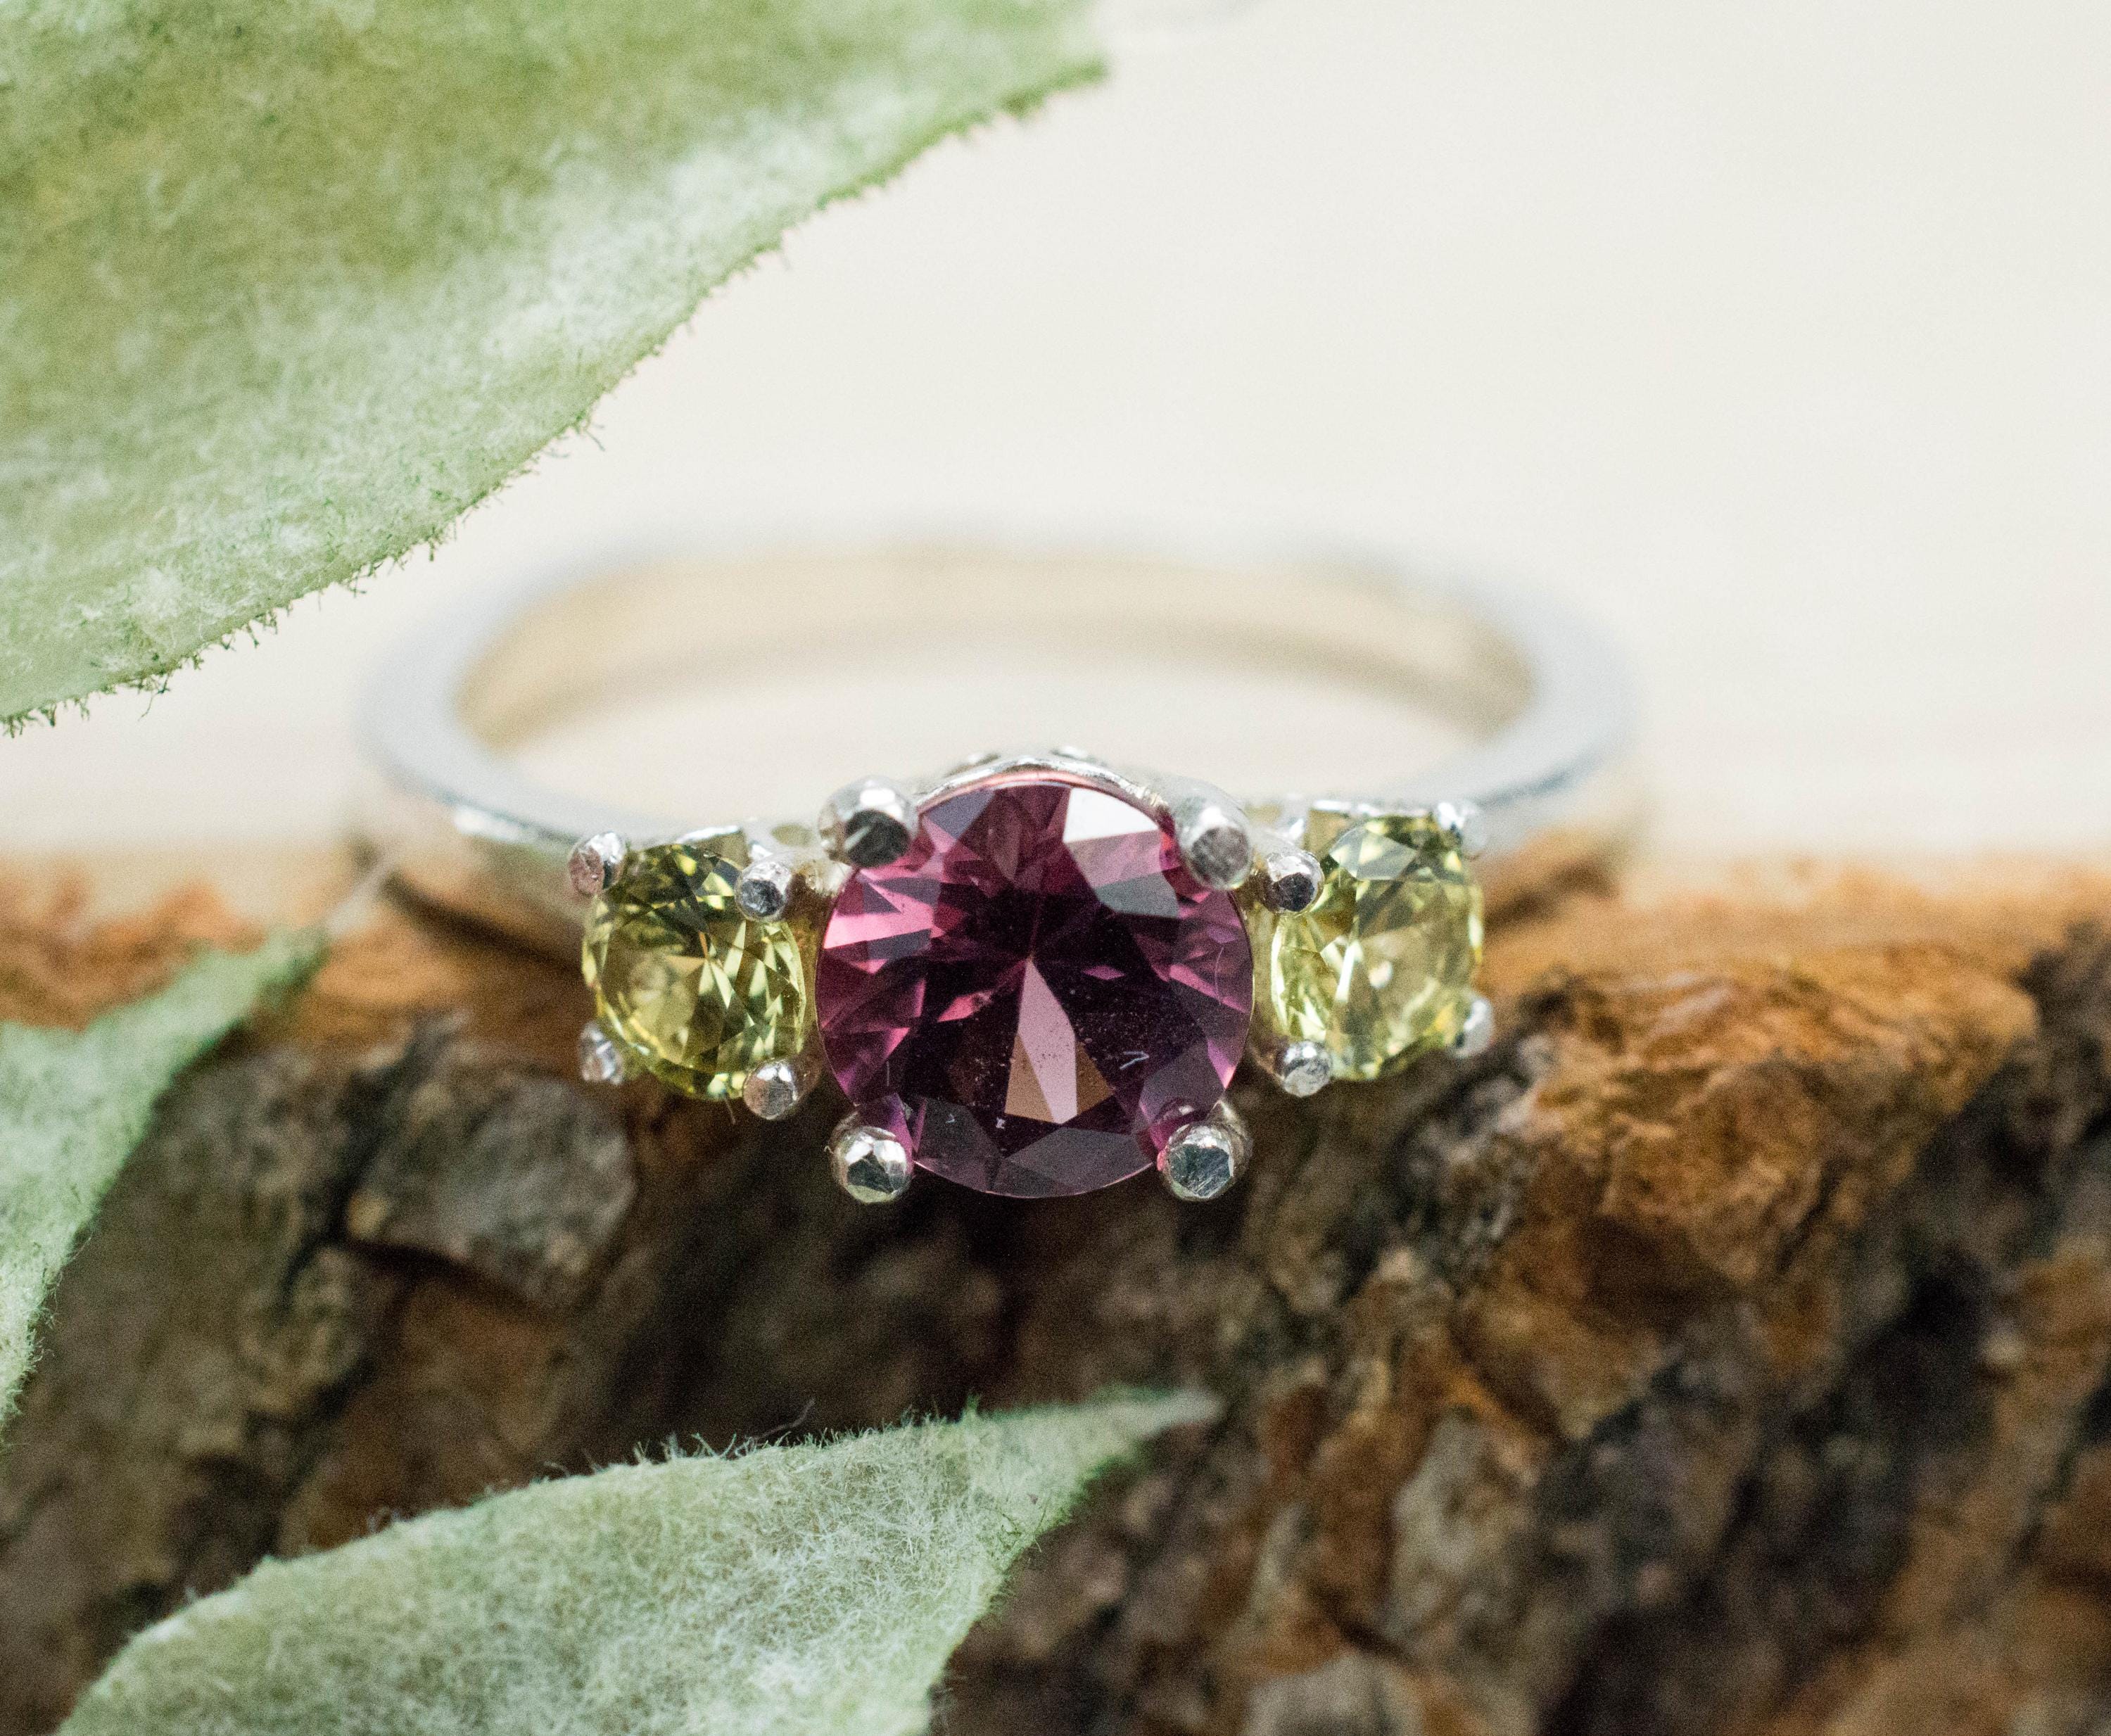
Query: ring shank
(1540, 696)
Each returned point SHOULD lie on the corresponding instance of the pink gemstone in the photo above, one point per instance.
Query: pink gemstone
(1039, 992)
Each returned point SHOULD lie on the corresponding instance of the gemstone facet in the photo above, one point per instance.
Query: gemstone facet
(695, 991)
(1380, 967)
(1039, 994)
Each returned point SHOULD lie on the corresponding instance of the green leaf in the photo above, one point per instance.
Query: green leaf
(287, 285)
(73, 1104)
(792, 1591)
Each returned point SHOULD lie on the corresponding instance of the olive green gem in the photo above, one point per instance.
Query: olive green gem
(1381, 968)
(699, 994)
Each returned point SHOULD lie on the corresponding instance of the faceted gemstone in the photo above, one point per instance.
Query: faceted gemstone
(698, 993)
(1039, 994)
(1381, 968)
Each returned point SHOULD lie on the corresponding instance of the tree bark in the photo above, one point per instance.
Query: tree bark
(1728, 1351)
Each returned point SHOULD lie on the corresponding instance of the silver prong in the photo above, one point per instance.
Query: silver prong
(1204, 1159)
(777, 1087)
(868, 823)
(594, 863)
(1477, 1031)
(1291, 879)
(765, 890)
(1465, 823)
(1214, 842)
(601, 1059)
(869, 1163)
(1299, 1068)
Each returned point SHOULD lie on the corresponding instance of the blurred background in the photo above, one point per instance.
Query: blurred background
(1777, 338)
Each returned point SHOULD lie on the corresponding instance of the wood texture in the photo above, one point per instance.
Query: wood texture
(1728, 1352)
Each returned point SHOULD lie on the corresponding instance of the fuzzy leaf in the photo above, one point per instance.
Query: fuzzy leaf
(73, 1104)
(287, 285)
(810, 1590)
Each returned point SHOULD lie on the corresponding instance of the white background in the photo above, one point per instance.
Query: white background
(1778, 338)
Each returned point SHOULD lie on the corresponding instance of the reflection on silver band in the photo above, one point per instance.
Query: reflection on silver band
(467, 830)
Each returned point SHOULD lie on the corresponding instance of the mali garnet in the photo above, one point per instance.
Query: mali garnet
(1039, 994)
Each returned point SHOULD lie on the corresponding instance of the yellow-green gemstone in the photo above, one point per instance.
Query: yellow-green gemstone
(700, 993)
(1381, 968)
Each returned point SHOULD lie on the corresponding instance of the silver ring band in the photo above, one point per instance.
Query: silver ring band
(466, 829)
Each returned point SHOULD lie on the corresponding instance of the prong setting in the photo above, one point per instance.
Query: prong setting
(1300, 1069)
(594, 863)
(764, 892)
(601, 1059)
(1477, 1031)
(868, 823)
(1214, 840)
(777, 1087)
(870, 828)
(1204, 1159)
(1291, 879)
(1464, 823)
(869, 1163)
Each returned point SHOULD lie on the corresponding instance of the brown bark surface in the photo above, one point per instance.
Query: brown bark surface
(1727, 1351)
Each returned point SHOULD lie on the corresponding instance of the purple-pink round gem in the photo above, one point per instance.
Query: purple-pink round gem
(1039, 994)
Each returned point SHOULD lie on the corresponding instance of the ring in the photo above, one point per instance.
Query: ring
(1033, 973)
